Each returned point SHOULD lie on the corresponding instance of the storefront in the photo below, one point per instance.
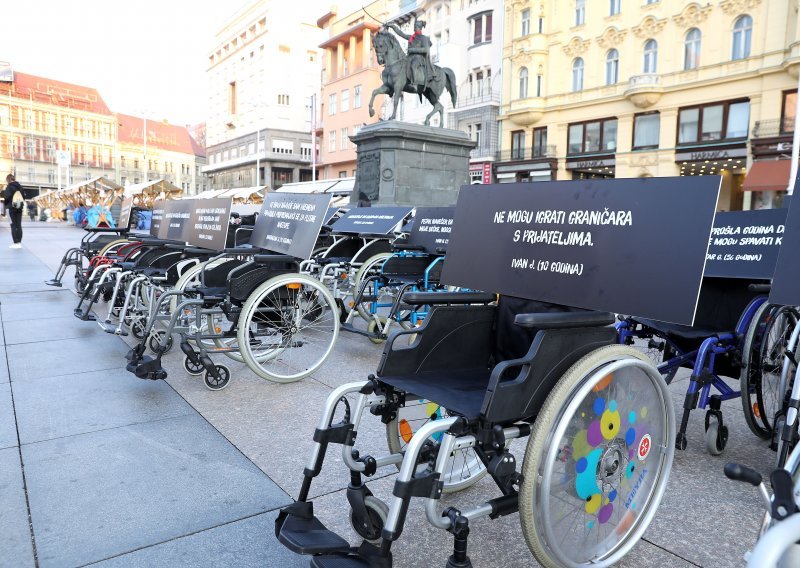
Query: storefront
(730, 162)
(526, 173)
(480, 173)
(592, 168)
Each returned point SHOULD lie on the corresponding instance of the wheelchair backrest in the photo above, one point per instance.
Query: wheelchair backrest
(722, 303)
(245, 279)
(409, 266)
(345, 247)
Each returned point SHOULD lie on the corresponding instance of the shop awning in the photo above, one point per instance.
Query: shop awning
(768, 175)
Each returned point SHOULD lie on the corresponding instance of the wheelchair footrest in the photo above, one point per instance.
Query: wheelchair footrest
(352, 329)
(149, 368)
(85, 316)
(54, 282)
(339, 561)
(109, 327)
(310, 536)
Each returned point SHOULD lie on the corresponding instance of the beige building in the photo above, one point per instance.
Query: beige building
(628, 88)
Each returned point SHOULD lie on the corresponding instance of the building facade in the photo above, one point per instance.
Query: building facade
(349, 76)
(262, 74)
(43, 119)
(647, 88)
(170, 153)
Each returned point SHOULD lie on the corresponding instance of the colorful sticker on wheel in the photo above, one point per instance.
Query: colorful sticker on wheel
(645, 445)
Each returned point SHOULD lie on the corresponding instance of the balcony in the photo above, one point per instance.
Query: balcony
(772, 128)
(518, 154)
(465, 99)
(525, 112)
(644, 90)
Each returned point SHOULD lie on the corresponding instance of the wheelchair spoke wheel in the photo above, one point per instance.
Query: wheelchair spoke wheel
(288, 327)
(762, 362)
(373, 304)
(597, 460)
(464, 467)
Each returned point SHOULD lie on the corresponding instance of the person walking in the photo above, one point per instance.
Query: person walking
(32, 209)
(14, 201)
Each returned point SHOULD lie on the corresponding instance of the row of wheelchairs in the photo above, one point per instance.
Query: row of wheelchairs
(468, 377)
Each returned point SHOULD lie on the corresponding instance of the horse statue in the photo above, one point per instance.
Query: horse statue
(397, 77)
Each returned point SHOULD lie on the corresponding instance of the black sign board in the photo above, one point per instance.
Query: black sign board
(432, 226)
(371, 220)
(176, 220)
(631, 246)
(125, 213)
(331, 215)
(289, 223)
(785, 287)
(745, 244)
(156, 215)
(208, 223)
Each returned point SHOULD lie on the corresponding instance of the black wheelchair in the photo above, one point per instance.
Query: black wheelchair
(476, 376)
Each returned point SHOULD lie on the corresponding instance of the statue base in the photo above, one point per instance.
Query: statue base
(409, 164)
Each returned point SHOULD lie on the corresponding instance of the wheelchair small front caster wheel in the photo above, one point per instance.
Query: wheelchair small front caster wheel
(716, 437)
(194, 369)
(680, 441)
(156, 342)
(137, 330)
(219, 382)
(376, 331)
(377, 511)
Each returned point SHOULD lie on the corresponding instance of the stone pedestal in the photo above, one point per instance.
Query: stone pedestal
(410, 164)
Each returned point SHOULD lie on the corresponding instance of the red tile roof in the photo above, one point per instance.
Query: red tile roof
(54, 92)
(159, 135)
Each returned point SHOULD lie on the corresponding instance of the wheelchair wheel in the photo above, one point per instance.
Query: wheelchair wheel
(465, 468)
(138, 328)
(762, 362)
(378, 511)
(287, 328)
(371, 267)
(597, 460)
(112, 246)
(217, 383)
(156, 342)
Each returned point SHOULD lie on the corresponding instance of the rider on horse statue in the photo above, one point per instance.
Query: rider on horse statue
(419, 60)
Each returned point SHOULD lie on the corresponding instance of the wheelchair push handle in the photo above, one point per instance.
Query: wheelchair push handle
(120, 230)
(738, 472)
(761, 288)
(402, 246)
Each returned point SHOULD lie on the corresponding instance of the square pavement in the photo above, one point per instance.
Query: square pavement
(125, 473)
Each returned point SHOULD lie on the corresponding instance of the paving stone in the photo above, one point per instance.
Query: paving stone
(246, 543)
(24, 307)
(101, 494)
(54, 407)
(47, 359)
(16, 550)
(8, 428)
(50, 329)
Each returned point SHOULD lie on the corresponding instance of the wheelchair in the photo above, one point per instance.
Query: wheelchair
(728, 331)
(598, 419)
(95, 244)
(252, 306)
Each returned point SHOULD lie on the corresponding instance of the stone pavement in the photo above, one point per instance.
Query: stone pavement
(99, 467)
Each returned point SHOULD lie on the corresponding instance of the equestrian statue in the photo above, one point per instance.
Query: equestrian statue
(412, 72)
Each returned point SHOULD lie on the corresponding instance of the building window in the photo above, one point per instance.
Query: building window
(283, 100)
(613, 7)
(482, 28)
(344, 139)
(541, 25)
(526, 22)
(598, 136)
(646, 130)
(713, 122)
(518, 145)
(580, 12)
(344, 67)
(357, 96)
(523, 83)
(789, 112)
(612, 67)
(651, 2)
(577, 74)
(742, 32)
(540, 142)
(538, 85)
(474, 131)
(650, 56)
(332, 105)
(691, 49)
(232, 102)
(332, 141)
(345, 100)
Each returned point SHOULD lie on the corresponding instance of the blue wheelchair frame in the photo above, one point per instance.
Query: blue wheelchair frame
(702, 360)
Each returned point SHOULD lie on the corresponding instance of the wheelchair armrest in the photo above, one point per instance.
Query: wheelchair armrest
(402, 246)
(564, 320)
(105, 230)
(441, 250)
(198, 250)
(268, 258)
(759, 288)
(242, 250)
(448, 298)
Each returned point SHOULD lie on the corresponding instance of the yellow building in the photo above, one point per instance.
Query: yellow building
(628, 88)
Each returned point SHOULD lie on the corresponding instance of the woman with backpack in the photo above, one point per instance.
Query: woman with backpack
(14, 201)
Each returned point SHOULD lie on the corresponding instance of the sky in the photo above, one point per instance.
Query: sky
(143, 56)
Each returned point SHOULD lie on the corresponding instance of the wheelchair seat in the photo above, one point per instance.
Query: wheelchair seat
(680, 332)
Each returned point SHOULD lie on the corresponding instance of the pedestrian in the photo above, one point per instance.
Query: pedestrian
(32, 210)
(14, 201)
